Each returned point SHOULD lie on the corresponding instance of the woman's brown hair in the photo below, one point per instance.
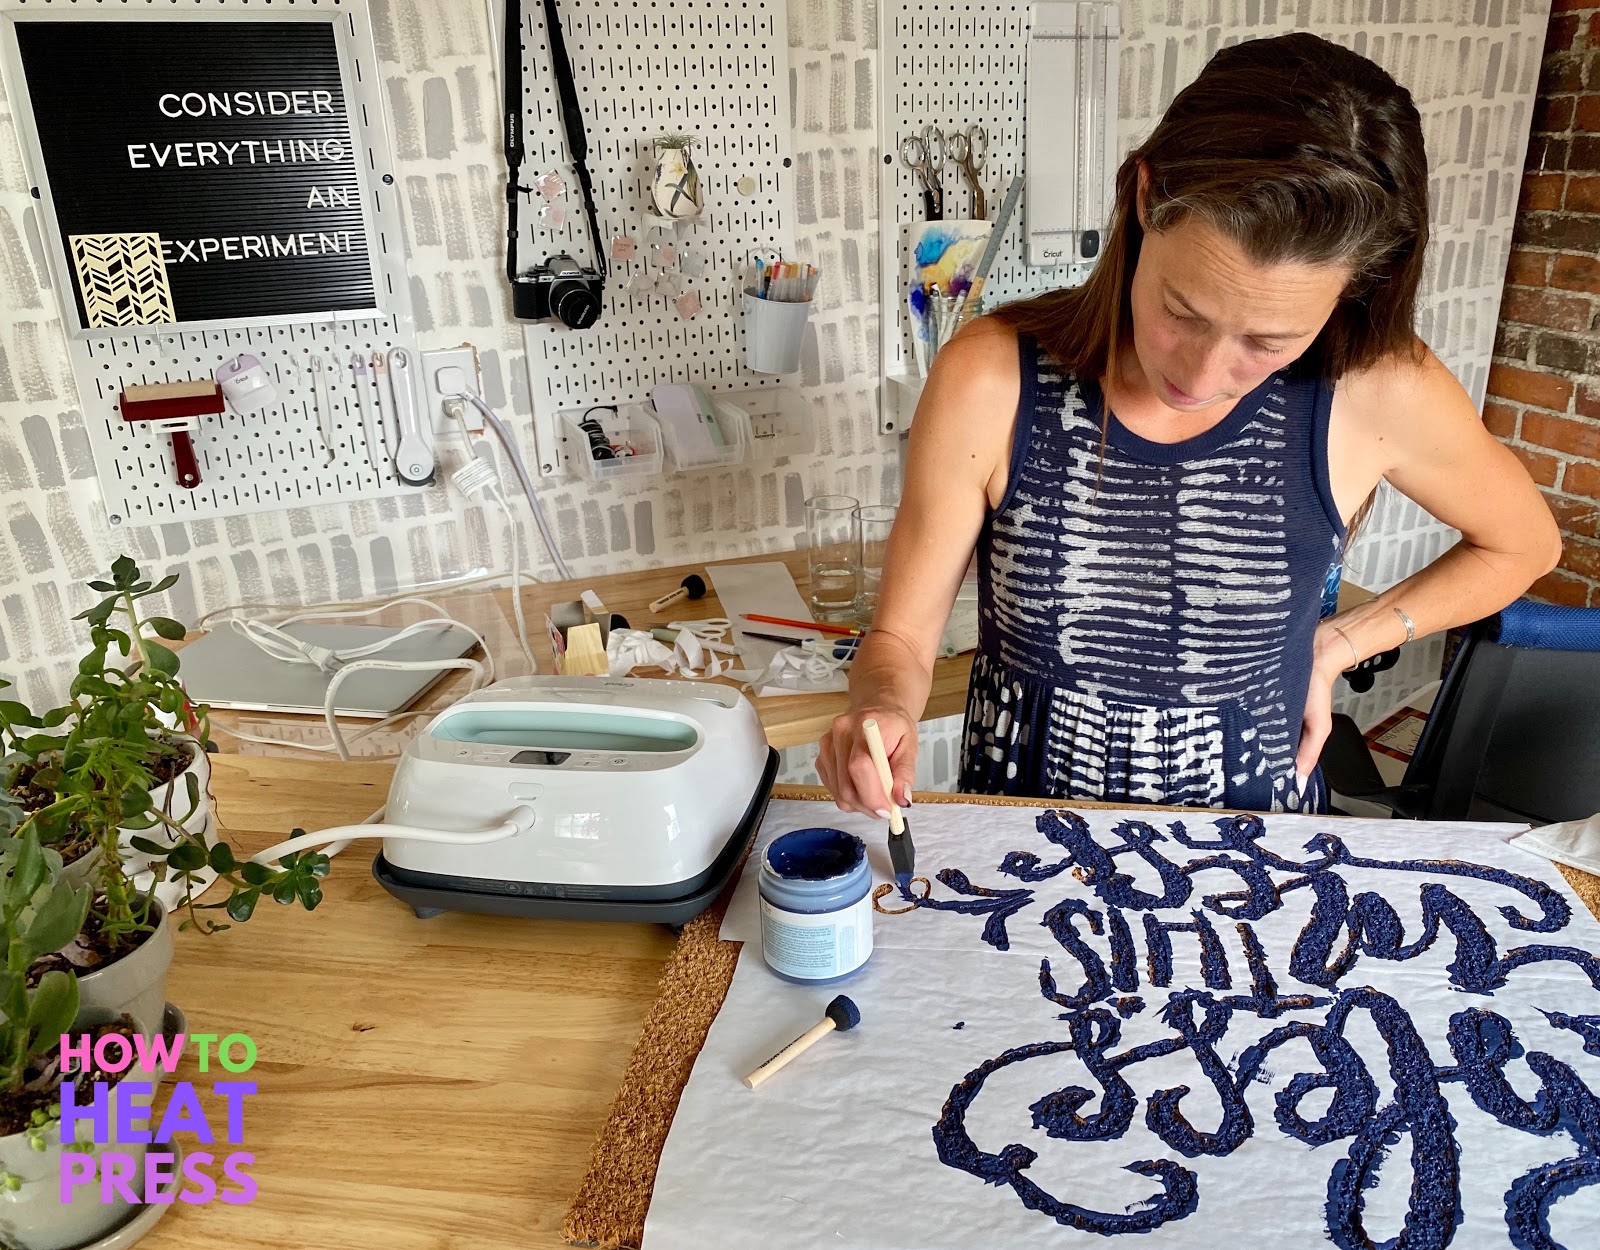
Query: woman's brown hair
(1299, 151)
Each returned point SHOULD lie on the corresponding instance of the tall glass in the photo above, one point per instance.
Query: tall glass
(833, 554)
(873, 524)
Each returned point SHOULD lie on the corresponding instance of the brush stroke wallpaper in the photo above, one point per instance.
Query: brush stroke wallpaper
(1472, 63)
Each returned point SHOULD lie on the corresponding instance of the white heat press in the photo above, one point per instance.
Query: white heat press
(600, 798)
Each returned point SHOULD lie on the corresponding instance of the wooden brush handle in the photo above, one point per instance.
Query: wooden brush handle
(792, 1051)
(897, 822)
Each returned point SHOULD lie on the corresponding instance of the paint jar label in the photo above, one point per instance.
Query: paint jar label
(816, 946)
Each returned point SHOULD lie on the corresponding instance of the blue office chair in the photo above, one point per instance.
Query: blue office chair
(1514, 734)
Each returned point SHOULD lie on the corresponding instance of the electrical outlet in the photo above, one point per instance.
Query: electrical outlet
(445, 373)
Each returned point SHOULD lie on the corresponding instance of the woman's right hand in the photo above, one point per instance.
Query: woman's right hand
(845, 764)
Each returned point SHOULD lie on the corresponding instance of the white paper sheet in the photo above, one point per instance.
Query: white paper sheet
(843, 1147)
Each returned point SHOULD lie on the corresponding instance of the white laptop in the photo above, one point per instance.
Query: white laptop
(226, 670)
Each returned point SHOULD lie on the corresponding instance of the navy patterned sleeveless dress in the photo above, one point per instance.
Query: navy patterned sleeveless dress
(1146, 619)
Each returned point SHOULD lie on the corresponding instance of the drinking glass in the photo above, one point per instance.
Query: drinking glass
(872, 524)
(833, 553)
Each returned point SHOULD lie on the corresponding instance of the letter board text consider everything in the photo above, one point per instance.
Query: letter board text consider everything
(229, 140)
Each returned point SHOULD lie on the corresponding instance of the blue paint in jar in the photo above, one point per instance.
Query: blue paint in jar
(816, 905)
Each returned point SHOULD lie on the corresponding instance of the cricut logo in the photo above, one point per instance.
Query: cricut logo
(113, 1111)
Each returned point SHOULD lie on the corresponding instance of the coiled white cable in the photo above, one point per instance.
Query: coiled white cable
(274, 640)
(452, 585)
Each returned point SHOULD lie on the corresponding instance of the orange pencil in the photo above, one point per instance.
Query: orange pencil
(844, 630)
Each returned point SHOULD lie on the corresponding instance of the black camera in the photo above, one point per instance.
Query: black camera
(559, 289)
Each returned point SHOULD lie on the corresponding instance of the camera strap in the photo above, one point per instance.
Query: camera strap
(571, 124)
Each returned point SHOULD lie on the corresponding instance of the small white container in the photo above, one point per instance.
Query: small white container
(734, 424)
(773, 333)
(631, 425)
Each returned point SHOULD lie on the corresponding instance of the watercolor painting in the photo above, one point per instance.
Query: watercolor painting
(1091, 1028)
(942, 258)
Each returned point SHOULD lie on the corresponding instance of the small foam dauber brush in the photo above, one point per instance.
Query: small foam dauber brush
(841, 1014)
(901, 853)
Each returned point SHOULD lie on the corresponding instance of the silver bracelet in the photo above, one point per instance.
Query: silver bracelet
(1354, 654)
(1411, 630)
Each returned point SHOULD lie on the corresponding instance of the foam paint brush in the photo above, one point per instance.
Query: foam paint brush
(902, 854)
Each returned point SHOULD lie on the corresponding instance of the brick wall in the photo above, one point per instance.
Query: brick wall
(1544, 387)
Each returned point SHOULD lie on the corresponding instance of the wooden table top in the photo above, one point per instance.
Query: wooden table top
(789, 720)
(422, 1084)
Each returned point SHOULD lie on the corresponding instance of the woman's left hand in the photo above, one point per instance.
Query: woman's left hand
(1330, 656)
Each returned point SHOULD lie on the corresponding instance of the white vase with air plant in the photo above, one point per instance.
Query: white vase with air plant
(675, 191)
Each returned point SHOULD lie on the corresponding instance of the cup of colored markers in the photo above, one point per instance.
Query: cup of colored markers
(777, 305)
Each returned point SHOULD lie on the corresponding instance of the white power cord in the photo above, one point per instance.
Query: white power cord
(336, 839)
(274, 640)
(451, 584)
(504, 435)
(479, 476)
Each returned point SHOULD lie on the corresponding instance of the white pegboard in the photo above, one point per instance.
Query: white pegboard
(715, 69)
(248, 463)
(275, 458)
(951, 63)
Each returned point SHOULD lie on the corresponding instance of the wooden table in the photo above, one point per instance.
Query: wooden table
(423, 1084)
(789, 720)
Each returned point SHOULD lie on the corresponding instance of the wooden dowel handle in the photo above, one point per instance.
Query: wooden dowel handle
(897, 822)
(792, 1051)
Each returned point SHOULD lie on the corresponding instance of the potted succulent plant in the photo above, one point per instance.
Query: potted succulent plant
(40, 911)
(124, 755)
(116, 782)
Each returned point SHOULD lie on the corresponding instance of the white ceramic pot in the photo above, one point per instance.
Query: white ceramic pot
(135, 985)
(33, 1217)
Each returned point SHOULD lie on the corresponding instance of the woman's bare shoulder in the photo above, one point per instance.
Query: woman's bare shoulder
(1400, 376)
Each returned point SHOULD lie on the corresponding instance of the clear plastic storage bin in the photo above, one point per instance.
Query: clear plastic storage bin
(780, 422)
(630, 426)
(733, 423)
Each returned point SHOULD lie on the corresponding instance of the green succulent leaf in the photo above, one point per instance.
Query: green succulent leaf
(221, 858)
(309, 891)
(147, 847)
(51, 1008)
(242, 905)
(56, 922)
(18, 714)
(29, 872)
(186, 857)
(124, 572)
(163, 660)
(254, 873)
(167, 627)
(99, 614)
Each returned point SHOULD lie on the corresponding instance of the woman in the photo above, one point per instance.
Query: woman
(1159, 470)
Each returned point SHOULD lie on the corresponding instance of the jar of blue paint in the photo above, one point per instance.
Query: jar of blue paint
(816, 905)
